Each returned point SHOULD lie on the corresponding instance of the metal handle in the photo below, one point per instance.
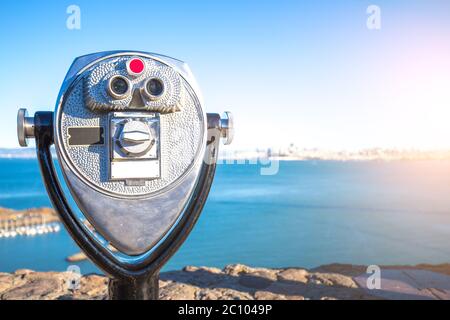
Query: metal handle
(25, 127)
(222, 125)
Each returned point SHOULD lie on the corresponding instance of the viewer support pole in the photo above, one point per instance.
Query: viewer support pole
(142, 288)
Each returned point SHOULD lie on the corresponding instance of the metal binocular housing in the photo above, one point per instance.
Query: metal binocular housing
(138, 155)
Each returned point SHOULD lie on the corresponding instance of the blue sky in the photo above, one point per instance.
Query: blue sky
(309, 72)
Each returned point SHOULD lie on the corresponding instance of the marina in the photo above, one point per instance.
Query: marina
(28, 223)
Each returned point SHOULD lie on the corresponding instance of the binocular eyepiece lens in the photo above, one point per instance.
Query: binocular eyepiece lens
(119, 86)
(155, 87)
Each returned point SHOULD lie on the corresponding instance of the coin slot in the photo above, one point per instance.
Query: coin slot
(86, 136)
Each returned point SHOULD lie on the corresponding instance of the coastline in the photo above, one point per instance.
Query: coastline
(48, 214)
(333, 281)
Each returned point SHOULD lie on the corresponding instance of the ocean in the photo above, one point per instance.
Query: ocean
(308, 214)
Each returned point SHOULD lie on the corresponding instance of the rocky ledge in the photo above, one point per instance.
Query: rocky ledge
(242, 282)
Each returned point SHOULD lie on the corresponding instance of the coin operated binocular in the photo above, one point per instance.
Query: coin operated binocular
(137, 152)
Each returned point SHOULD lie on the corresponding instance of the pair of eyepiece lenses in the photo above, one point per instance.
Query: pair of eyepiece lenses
(119, 87)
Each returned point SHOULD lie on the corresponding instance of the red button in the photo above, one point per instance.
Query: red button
(136, 66)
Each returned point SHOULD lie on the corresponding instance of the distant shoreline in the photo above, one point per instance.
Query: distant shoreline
(30, 214)
(257, 160)
(290, 154)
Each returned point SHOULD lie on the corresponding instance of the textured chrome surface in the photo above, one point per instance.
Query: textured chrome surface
(97, 98)
(131, 217)
(132, 226)
(25, 127)
(182, 140)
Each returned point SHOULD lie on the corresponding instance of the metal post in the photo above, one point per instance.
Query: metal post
(143, 288)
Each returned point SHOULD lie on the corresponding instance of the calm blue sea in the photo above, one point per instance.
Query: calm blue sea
(310, 213)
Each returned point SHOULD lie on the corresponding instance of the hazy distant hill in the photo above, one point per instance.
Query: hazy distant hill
(18, 153)
(291, 154)
(21, 153)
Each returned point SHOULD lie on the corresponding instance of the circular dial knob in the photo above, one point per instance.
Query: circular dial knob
(135, 138)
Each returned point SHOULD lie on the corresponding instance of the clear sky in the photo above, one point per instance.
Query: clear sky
(307, 72)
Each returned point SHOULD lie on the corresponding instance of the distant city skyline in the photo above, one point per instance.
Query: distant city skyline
(253, 155)
(309, 73)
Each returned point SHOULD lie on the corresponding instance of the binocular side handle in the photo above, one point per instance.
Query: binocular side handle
(25, 127)
(129, 281)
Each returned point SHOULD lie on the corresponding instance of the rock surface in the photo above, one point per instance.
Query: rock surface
(233, 282)
(244, 282)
